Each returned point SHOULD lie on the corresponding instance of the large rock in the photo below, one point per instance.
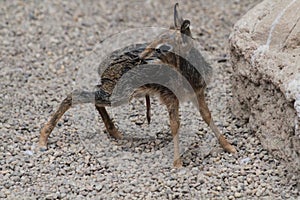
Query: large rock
(265, 53)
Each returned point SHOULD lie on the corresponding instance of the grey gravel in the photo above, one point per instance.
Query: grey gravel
(42, 44)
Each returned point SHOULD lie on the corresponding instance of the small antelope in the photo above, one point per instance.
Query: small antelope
(173, 49)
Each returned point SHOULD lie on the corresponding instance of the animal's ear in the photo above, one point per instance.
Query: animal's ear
(185, 28)
(178, 20)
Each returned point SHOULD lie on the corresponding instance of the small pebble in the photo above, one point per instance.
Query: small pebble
(238, 195)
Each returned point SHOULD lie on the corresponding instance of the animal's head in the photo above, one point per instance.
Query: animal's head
(175, 42)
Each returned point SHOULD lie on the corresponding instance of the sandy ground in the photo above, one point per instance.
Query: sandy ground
(46, 52)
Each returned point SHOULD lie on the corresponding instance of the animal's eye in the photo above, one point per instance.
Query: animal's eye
(158, 50)
(164, 48)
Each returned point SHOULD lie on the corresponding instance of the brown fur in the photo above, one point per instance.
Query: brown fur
(182, 57)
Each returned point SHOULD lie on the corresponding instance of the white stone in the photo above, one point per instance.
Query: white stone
(265, 54)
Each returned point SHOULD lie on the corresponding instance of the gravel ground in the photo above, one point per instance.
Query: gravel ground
(42, 44)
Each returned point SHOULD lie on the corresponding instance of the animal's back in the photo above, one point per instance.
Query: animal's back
(117, 64)
(194, 68)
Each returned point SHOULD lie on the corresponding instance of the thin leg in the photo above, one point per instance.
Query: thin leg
(205, 113)
(49, 126)
(148, 107)
(109, 125)
(76, 97)
(172, 104)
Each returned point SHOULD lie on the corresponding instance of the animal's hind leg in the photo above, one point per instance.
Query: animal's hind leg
(76, 97)
(49, 126)
(208, 119)
(109, 125)
(172, 104)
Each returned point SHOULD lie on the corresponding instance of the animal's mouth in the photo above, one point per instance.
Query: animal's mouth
(152, 59)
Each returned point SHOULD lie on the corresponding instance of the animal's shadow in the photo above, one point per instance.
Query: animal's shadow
(193, 155)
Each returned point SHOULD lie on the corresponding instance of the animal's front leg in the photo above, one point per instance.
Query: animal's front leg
(206, 115)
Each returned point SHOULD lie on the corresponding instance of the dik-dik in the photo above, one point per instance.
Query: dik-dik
(173, 49)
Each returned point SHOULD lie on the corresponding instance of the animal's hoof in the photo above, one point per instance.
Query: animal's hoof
(117, 135)
(226, 146)
(229, 148)
(177, 163)
(42, 148)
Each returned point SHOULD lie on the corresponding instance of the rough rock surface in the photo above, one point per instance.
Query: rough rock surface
(265, 53)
